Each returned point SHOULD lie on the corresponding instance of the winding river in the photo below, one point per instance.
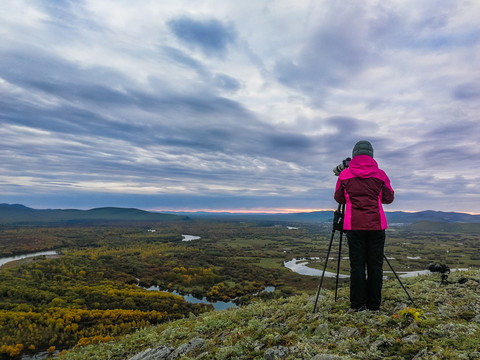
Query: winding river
(217, 305)
(190, 237)
(8, 259)
(300, 266)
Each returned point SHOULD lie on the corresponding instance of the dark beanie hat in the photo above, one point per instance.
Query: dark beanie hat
(363, 147)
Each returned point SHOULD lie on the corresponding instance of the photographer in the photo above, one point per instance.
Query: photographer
(363, 188)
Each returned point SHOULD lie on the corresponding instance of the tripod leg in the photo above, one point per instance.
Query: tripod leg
(388, 262)
(338, 264)
(324, 269)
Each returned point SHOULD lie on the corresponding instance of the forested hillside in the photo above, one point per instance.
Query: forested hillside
(22, 215)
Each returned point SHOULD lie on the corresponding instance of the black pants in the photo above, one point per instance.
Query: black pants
(366, 252)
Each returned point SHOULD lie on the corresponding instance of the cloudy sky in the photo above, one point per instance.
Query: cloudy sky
(236, 105)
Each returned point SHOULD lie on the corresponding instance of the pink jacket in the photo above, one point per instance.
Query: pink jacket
(363, 188)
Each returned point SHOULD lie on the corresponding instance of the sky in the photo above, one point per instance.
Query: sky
(237, 105)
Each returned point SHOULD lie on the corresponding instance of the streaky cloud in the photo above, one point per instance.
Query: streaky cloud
(211, 36)
(467, 91)
(226, 82)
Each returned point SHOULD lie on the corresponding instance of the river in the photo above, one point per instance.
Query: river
(8, 259)
(217, 305)
(300, 266)
(190, 237)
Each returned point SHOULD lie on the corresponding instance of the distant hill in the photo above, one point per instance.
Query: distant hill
(20, 214)
(433, 216)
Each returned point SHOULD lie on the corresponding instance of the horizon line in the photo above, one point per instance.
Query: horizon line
(242, 211)
(283, 211)
(236, 211)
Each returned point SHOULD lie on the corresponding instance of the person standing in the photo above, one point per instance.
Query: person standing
(363, 187)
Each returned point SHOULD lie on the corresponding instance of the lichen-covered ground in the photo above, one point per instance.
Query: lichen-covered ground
(443, 323)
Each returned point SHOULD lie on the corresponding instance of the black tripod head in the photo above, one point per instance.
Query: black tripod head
(444, 271)
(338, 216)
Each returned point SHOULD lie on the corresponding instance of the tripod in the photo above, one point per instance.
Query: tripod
(338, 216)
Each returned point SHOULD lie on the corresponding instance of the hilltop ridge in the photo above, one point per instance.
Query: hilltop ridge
(444, 323)
(19, 214)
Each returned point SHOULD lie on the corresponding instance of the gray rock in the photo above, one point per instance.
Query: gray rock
(411, 339)
(186, 348)
(160, 353)
(277, 352)
(204, 355)
(381, 342)
(348, 331)
(293, 350)
(326, 357)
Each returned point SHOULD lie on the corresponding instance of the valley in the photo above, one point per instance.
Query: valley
(94, 290)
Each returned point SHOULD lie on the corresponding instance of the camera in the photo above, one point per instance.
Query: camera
(443, 269)
(342, 166)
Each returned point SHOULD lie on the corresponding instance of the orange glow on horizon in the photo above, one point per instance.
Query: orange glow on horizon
(280, 211)
(244, 211)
